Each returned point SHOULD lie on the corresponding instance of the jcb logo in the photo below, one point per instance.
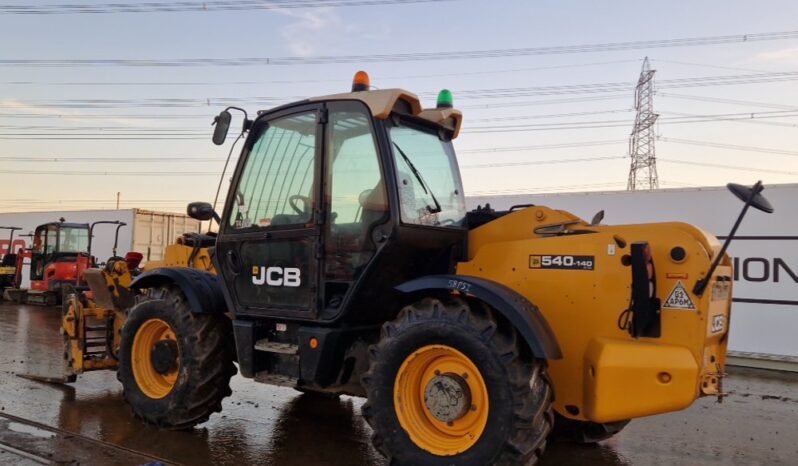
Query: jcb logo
(276, 276)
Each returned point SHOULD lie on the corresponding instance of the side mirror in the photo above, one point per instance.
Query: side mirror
(222, 123)
(744, 193)
(202, 211)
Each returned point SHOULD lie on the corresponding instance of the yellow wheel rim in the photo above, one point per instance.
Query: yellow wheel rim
(154, 377)
(441, 400)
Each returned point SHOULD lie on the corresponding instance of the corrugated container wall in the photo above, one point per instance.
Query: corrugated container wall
(153, 231)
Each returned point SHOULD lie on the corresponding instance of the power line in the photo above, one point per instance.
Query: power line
(594, 124)
(729, 167)
(527, 190)
(215, 173)
(107, 173)
(705, 65)
(499, 105)
(550, 115)
(718, 145)
(189, 6)
(751, 118)
(109, 159)
(748, 103)
(621, 123)
(542, 162)
(194, 130)
(375, 78)
(405, 57)
(488, 93)
(540, 147)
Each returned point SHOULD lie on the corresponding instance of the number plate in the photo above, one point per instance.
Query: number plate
(562, 262)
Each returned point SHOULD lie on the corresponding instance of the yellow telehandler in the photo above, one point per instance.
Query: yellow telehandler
(346, 262)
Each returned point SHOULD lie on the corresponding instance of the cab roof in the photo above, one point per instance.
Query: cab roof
(382, 102)
(63, 225)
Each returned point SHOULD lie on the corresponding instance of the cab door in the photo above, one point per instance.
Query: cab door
(269, 243)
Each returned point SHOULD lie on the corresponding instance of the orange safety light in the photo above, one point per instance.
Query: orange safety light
(361, 82)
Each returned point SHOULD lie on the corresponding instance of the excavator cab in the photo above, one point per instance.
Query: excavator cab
(59, 255)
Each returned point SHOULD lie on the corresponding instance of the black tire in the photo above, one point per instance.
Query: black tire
(520, 415)
(584, 432)
(205, 362)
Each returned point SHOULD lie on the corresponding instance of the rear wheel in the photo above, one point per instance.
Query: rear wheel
(449, 384)
(175, 366)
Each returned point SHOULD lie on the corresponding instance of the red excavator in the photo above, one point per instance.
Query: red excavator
(60, 254)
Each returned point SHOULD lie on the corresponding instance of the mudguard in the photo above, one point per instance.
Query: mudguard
(524, 316)
(202, 289)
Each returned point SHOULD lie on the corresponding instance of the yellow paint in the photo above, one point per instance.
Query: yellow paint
(427, 432)
(177, 255)
(583, 307)
(622, 377)
(150, 382)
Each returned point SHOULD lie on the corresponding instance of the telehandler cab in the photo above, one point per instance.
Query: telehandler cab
(347, 263)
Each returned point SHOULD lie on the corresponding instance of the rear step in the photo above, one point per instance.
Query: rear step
(275, 379)
(275, 347)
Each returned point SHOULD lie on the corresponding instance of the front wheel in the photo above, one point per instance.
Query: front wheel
(175, 366)
(449, 384)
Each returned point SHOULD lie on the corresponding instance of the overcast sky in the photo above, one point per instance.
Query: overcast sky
(103, 101)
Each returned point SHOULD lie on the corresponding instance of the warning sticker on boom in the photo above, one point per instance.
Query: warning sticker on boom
(679, 298)
(562, 262)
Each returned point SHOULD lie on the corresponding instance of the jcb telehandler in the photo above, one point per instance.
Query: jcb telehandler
(347, 263)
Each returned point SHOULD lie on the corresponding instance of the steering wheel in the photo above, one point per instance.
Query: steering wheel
(297, 197)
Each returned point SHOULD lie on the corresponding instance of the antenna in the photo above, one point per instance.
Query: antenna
(643, 172)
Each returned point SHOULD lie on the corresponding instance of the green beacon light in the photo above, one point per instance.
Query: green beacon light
(445, 99)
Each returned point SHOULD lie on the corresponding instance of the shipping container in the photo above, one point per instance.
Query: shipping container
(765, 310)
(146, 231)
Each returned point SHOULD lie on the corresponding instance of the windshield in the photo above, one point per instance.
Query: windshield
(74, 240)
(430, 189)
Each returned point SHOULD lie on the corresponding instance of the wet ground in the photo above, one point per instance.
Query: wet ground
(88, 423)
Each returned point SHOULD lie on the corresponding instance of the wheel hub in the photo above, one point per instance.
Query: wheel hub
(164, 356)
(447, 397)
(155, 358)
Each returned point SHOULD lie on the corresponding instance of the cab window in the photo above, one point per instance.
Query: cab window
(277, 184)
(430, 189)
(355, 191)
